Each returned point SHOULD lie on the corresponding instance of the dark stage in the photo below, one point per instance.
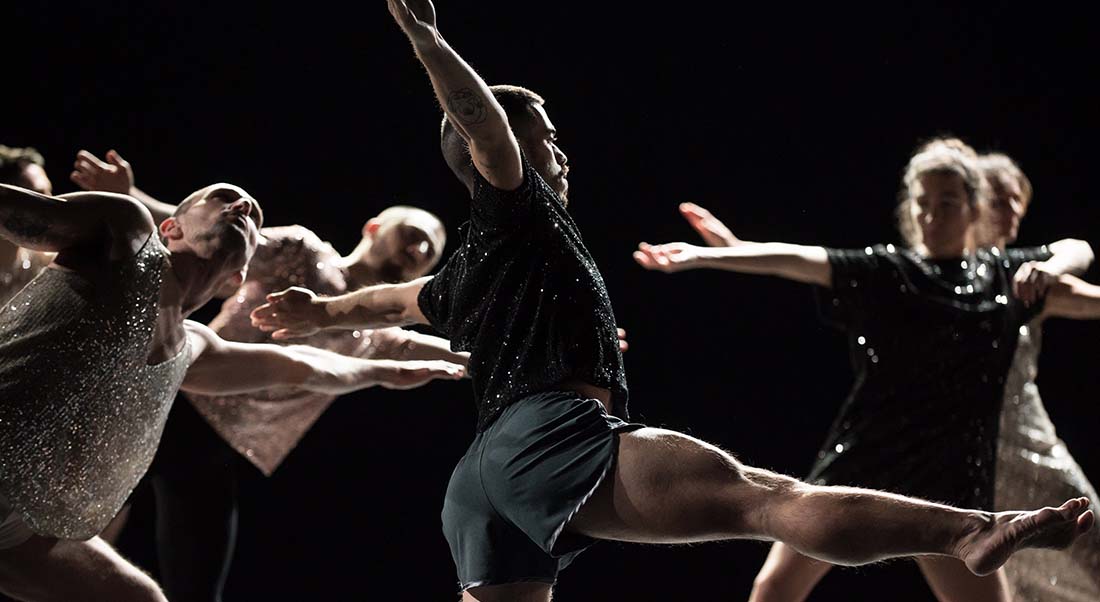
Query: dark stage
(790, 124)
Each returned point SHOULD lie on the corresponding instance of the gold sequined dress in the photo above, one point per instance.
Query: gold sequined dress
(264, 427)
(81, 411)
(1035, 469)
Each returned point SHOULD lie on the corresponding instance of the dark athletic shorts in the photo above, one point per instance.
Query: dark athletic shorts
(521, 481)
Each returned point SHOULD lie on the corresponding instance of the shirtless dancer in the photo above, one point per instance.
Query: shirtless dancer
(92, 352)
(194, 475)
(551, 468)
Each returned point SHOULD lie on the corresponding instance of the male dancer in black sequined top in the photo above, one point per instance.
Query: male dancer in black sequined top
(551, 469)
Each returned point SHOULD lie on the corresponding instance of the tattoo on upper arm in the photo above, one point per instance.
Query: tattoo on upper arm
(466, 106)
(27, 227)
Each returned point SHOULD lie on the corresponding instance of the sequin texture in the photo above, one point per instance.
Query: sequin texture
(24, 268)
(81, 412)
(1035, 469)
(265, 426)
(930, 344)
(525, 298)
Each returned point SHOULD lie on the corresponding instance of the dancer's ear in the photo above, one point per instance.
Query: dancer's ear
(170, 229)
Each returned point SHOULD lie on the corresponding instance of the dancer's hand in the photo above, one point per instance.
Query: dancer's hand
(623, 345)
(113, 175)
(670, 257)
(713, 231)
(1032, 281)
(416, 18)
(408, 375)
(295, 312)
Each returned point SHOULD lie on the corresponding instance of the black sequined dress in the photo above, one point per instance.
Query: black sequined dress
(524, 297)
(931, 343)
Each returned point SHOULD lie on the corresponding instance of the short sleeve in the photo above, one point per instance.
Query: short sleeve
(434, 300)
(496, 212)
(1014, 258)
(854, 274)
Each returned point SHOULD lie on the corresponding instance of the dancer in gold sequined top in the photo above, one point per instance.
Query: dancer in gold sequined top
(1034, 465)
(92, 353)
(194, 476)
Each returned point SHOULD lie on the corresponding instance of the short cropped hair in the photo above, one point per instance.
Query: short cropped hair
(517, 102)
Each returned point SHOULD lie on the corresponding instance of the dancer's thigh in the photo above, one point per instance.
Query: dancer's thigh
(668, 487)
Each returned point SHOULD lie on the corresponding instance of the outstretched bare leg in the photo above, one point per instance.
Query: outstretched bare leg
(671, 488)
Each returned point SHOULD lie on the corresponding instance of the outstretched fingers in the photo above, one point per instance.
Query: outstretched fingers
(623, 345)
(665, 258)
(711, 229)
(92, 173)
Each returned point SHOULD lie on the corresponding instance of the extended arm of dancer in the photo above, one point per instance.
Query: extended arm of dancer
(227, 367)
(402, 344)
(58, 223)
(464, 96)
(795, 262)
(1071, 297)
(727, 252)
(801, 263)
(1068, 256)
(297, 312)
(115, 175)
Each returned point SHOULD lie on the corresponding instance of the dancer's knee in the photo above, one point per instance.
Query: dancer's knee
(764, 496)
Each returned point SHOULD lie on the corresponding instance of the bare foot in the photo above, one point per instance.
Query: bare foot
(990, 545)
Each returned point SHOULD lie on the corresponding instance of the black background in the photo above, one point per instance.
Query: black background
(791, 124)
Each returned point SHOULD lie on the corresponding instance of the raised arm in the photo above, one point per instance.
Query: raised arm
(464, 96)
(727, 252)
(115, 175)
(297, 312)
(226, 367)
(1071, 297)
(111, 222)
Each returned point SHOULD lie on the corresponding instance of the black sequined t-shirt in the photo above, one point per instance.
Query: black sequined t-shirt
(524, 297)
(931, 343)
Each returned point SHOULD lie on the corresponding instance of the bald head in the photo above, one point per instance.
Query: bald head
(405, 243)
